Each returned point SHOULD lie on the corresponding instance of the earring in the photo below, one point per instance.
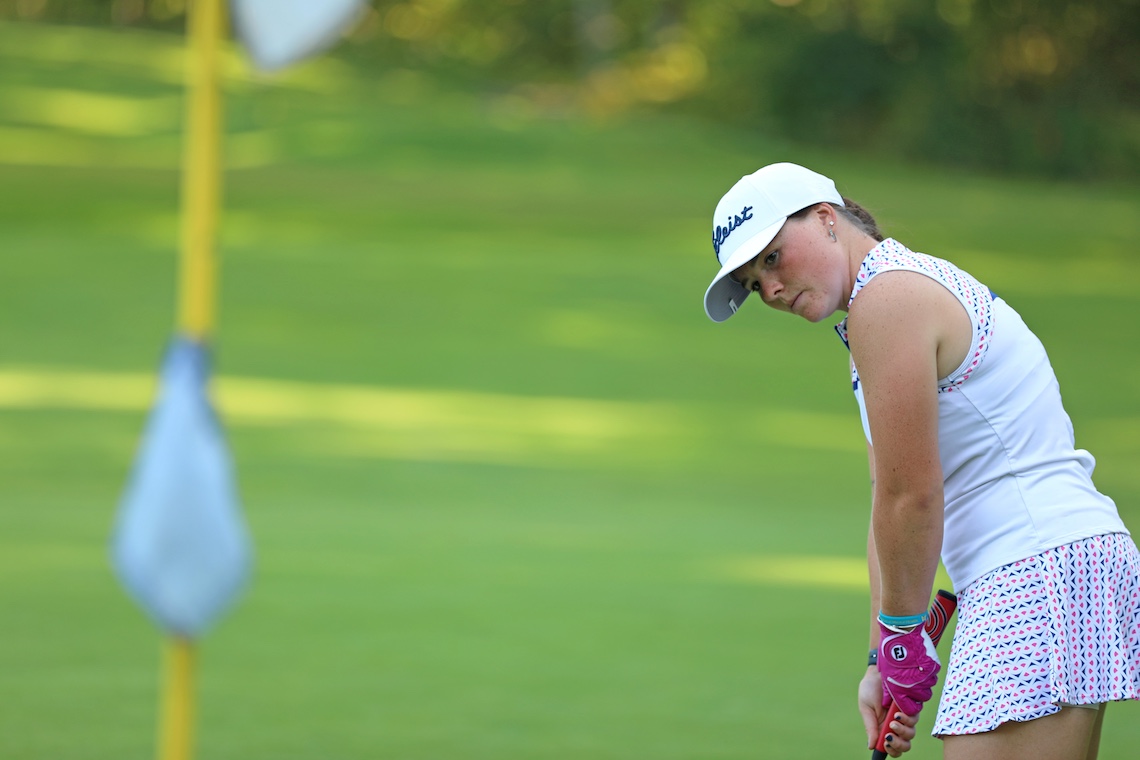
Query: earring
(833, 238)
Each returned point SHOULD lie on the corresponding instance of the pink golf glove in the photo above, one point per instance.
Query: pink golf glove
(909, 667)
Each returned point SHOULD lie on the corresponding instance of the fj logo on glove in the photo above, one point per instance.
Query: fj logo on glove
(898, 652)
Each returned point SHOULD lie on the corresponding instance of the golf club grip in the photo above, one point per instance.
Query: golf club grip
(941, 609)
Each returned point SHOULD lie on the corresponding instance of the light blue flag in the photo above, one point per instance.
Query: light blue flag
(180, 545)
(278, 33)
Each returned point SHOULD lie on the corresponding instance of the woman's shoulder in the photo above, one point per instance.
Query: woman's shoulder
(898, 294)
(912, 309)
(901, 288)
(891, 256)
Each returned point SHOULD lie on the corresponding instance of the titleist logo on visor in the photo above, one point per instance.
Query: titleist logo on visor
(720, 234)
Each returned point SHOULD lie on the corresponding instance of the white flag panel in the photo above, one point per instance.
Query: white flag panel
(280, 32)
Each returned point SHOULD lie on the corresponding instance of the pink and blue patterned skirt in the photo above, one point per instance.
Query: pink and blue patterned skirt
(1061, 627)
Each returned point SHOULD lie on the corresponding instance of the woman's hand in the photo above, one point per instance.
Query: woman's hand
(871, 704)
(871, 708)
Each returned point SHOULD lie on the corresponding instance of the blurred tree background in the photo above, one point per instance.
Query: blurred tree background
(1040, 87)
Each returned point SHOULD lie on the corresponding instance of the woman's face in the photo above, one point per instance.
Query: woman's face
(802, 271)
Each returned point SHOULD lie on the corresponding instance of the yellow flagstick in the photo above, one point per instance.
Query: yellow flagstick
(177, 720)
(201, 171)
(201, 186)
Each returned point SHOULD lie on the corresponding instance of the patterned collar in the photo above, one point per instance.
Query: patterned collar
(865, 271)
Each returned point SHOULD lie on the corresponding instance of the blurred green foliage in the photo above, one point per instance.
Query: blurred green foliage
(1029, 86)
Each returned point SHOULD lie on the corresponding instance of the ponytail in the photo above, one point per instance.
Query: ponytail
(853, 213)
(860, 217)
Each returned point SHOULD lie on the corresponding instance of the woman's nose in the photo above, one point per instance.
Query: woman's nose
(770, 289)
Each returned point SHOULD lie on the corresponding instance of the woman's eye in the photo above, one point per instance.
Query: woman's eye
(771, 258)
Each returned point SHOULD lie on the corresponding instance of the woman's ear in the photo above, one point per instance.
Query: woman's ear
(825, 214)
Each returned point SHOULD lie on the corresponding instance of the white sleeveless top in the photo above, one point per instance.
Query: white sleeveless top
(1014, 483)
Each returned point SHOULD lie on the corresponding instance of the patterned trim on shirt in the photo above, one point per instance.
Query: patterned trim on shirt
(890, 255)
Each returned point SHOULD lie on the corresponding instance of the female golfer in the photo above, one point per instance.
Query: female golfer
(972, 455)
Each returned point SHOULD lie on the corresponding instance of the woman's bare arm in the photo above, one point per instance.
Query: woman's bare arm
(896, 327)
(873, 563)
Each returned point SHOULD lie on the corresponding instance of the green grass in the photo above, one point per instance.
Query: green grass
(540, 563)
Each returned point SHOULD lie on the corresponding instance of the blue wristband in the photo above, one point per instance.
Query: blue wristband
(906, 621)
